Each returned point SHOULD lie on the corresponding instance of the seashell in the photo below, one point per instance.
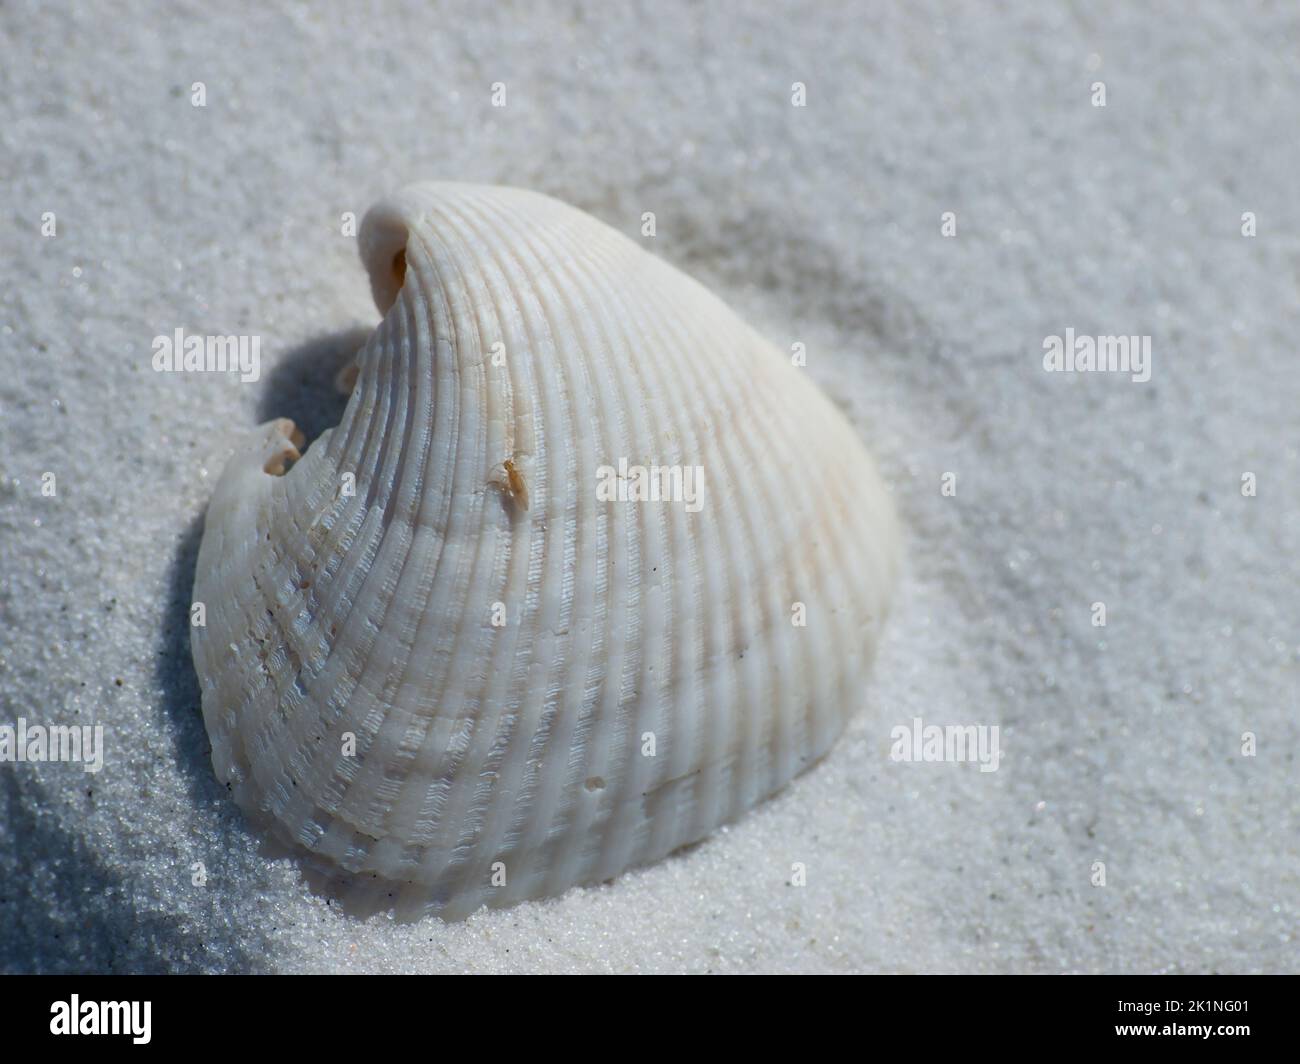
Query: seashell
(447, 670)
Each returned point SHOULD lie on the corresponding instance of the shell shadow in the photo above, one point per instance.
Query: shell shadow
(89, 922)
(175, 675)
(301, 386)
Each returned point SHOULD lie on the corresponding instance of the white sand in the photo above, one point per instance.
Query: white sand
(822, 224)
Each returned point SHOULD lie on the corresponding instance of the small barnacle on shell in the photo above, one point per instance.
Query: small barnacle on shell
(508, 476)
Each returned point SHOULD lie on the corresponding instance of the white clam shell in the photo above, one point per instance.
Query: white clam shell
(649, 682)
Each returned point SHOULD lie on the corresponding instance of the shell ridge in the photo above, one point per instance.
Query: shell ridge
(635, 709)
(574, 315)
(446, 517)
(483, 546)
(385, 345)
(716, 766)
(363, 798)
(625, 830)
(617, 419)
(507, 826)
(678, 414)
(456, 830)
(536, 804)
(749, 463)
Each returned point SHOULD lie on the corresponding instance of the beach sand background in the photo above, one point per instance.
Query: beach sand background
(822, 225)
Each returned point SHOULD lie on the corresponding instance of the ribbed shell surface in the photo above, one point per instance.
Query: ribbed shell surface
(543, 687)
